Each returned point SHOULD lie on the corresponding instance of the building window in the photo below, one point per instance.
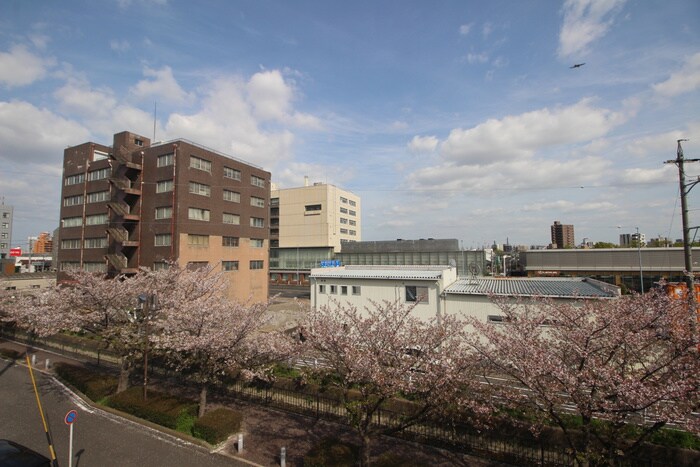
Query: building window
(138, 142)
(356, 290)
(75, 179)
(353, 232)
(343, 210)
(200, 189)
(200, 164)
(100, 242)
(257, 242)
(343, 220)
(6, 225)
(198, 214)
(233, 219)
(321, 288)
(164, 212)
(197, 265)
(161, 266)
(97, 219)
(343, 200)
(229, 265)
(232, 196)
(99, 174)
(257, 202)
(163, 240)
(98, 197)
(334, 289)
(416, 294)
(352, 203)
(198, 240)
(164, 185)
(344, 231)
(257, 222)
(257, 264)
(257, 181)
(73, 200)
(232, 173)
(312, 209)
(352, 222)
(71, 244)
(352, 213)
(166, 160)
(343, 290)
(94, 267)
(229, 241)
(69, 222)
(99, 155)
(498, 319)
(5, 215)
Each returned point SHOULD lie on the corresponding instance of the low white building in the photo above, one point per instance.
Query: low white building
(358, 285)
(436, 290)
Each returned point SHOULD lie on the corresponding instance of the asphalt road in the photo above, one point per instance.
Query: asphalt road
(99, 438)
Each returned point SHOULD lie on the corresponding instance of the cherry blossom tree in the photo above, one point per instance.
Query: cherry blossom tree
(213, 336)
(374, 355)
(607, 362)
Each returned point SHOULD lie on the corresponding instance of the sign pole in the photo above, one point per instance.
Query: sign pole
(70, 421)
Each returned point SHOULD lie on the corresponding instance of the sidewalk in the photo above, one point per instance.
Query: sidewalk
(265, 431)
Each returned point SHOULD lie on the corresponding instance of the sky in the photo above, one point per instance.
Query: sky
(450, 119)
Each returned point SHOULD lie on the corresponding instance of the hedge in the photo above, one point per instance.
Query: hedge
(160, 408)
(217, 425)
(94, 385)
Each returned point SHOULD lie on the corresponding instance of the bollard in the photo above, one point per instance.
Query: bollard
(48, 364)
(240, 442)
(283, 457)
(34, 360)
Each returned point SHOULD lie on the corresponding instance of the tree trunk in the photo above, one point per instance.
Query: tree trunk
(124, 374)
(202, 400)
(365, 451)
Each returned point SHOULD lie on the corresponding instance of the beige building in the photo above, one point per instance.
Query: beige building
(308, 225)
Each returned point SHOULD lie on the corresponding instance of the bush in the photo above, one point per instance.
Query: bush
(94, 385)
(331, 451)
(676, 439)
(9, 353)
(217, 425)
(162, 409)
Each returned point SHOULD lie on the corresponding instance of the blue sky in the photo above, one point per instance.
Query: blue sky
(450, 119)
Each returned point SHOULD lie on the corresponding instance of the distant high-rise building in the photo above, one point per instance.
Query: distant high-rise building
(136, 205)
(632, 240)
(6, 214)
(562, 235)
(43, 244)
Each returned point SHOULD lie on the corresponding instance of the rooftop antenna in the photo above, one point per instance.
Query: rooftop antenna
(155, 111)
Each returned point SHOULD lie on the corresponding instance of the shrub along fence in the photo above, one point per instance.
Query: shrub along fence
(506, 443)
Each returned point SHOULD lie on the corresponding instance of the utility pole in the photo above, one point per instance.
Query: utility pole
(685, 189)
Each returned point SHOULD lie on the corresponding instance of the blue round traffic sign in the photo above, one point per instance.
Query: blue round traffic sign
(70, 417)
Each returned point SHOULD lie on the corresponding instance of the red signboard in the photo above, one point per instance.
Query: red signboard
(16, 251)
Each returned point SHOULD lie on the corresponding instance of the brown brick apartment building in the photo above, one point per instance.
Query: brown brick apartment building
(137, 205)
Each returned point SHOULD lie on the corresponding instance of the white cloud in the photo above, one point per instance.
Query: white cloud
(229, 120)
(464, 29)
(477, 58)
(685, 80)
(520, 136)
(487, 29)
(77, 97)
(570, 206)
(20, 67)
(292, 174)
(423, 144)
(666, 173)
(162, 85)
(119, 46)
(271, 99)
(35, 135)
(584, 22)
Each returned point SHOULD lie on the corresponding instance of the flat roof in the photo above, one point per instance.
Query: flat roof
(381, 272)
(570, 287)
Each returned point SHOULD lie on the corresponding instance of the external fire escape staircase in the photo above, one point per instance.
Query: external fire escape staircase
(125, 214)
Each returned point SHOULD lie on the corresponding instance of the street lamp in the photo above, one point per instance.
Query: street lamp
(639, 252)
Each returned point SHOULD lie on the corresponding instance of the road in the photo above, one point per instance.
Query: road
(99, 438)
